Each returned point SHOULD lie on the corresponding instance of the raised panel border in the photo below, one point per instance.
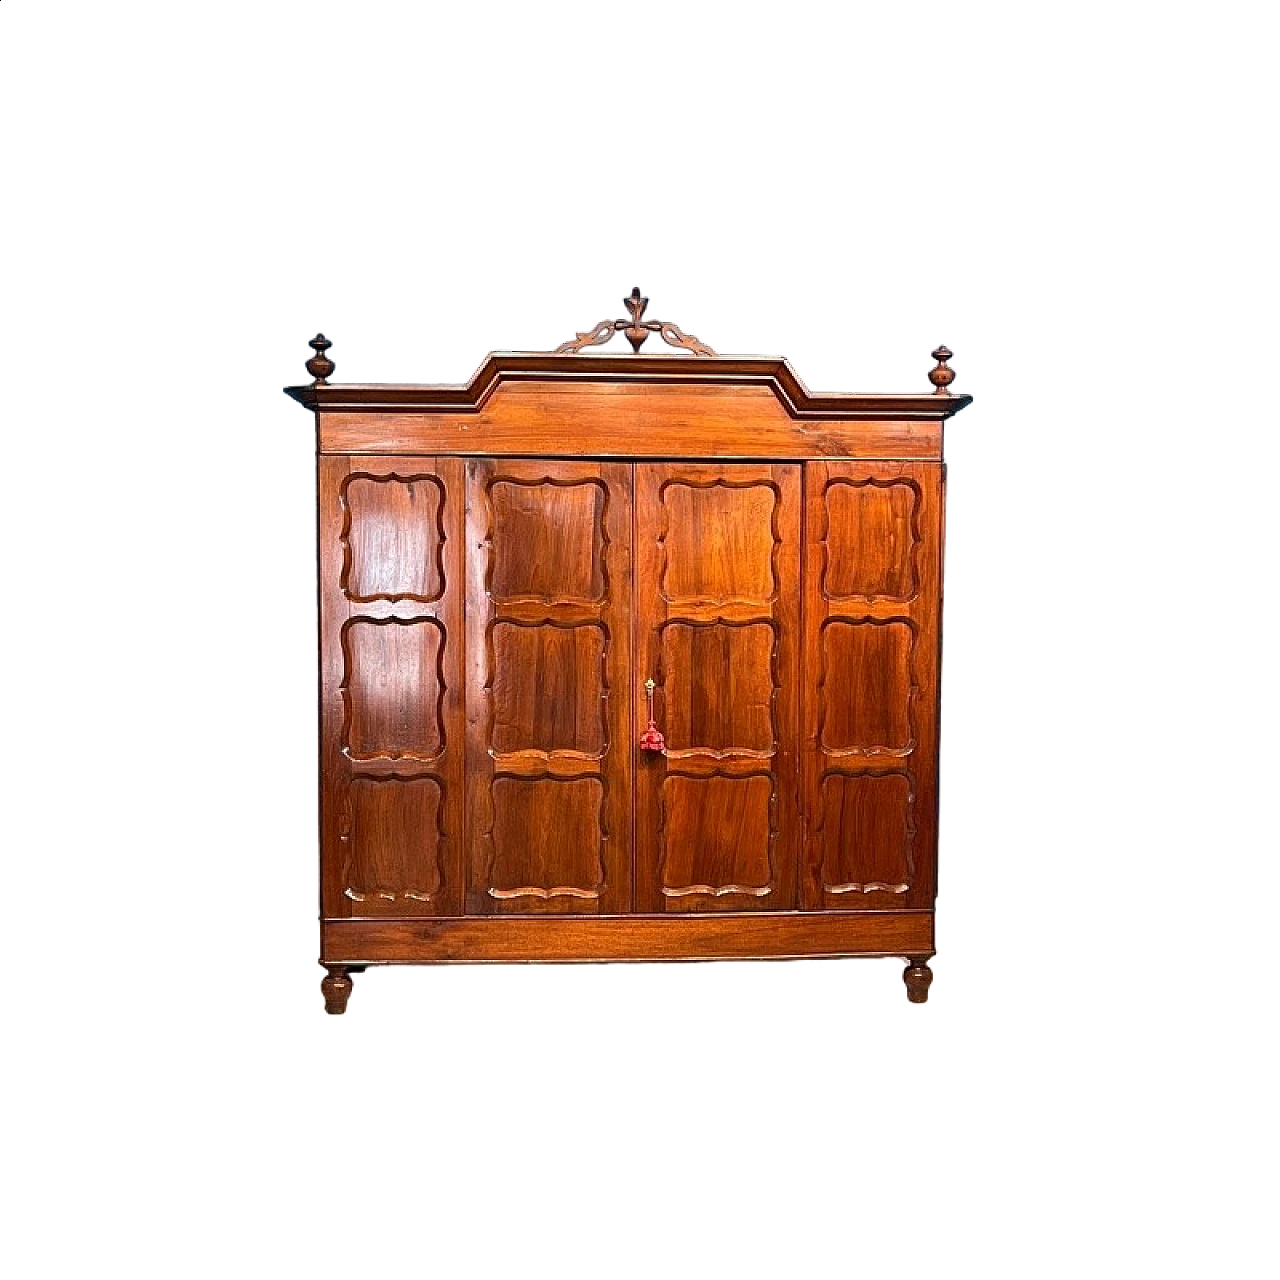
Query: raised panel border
(710, 753)
(872, 886)
(720, 891)
(601, 532)
(915, 680)
(557, 891)
(347, 822)
(611, 502)
(338, 769)
(873, 482)
(345, 536)
(344, 690)
(505, 759)
(775, 531)
(913, 691)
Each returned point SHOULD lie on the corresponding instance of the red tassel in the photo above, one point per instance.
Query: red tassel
(651, 739)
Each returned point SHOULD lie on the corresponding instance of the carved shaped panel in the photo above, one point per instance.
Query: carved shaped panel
(392, 838)
(718, 685)
(866, 693)
(717, 617)
(547, 839)
(392, 720)
(548, 541)
(548, 696)
(867, 832)
(719, 542)
(717, 835)
(393, 538)
(872, 593)
(872, 540)
(393, 688)
(548, 688)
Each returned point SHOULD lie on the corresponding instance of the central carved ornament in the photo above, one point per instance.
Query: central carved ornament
(636, 328)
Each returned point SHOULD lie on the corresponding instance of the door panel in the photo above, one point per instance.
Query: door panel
(717, 629)
(392, 726)
(541, 764)
(548, 687)
(718, 717)
(873, 535)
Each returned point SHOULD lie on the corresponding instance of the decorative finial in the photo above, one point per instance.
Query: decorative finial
(320, 366)
(942, 377)
(635, 332)
(637, 329)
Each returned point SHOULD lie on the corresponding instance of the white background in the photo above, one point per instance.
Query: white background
(1076, 199)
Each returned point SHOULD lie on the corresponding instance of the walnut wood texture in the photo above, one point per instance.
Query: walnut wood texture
(335, 986)
(502, 565)
(636, 330)
(917, 976)
(504, 367)
(548, 687)
(872, 594)
(392, 733)
(628, 406)
(626, 420)
(717, 622)
(752, 936)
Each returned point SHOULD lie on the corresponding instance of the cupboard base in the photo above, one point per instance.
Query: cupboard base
(514, 939)
(349, 946)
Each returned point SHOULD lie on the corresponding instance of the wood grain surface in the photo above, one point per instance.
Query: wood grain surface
(504, 564)
(754, 936)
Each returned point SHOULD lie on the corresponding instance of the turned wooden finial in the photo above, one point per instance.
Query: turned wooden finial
(942, 377)
(320, 366)
(637, 329)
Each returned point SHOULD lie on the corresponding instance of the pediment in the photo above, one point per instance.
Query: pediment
(615, 350)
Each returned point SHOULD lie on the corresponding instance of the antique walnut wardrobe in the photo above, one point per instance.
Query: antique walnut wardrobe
(627, 657)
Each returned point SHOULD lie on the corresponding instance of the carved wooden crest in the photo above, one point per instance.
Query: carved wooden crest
(637, 330)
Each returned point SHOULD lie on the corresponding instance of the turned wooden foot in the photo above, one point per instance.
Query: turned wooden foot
(336, 986)
(917, 977)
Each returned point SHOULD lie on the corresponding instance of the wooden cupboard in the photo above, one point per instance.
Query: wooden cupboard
(627, 658)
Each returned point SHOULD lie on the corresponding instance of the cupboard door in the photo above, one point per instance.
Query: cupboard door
(548, 697)
(717, 629)
(392, 737)
(872, 595)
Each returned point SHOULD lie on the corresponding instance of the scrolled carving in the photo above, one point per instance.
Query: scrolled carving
(591, 338)
(637, 331)
(674, 336)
